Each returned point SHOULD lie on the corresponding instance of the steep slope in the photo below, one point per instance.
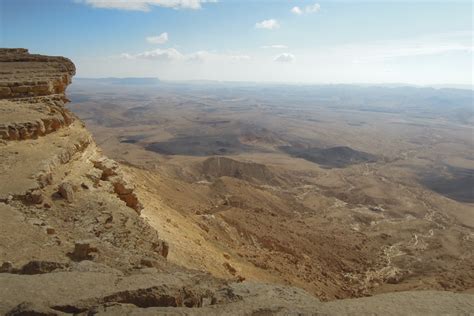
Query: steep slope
(53, 175)
(72, 240)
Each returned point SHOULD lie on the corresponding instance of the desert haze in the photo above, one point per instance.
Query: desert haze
(202, 157)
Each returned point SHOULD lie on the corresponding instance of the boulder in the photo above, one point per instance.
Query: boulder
(40, 267)
(107, 166)
(125, 192)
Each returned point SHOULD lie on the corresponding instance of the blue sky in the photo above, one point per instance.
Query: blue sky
(420, 42)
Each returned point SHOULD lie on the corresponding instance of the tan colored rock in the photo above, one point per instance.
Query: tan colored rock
(162, 247)
(39, 267)
(45, 179)
(107, 166)
(94, 175)
(35, 197)
(148, 262)
(66, 190)
(6, 267)
(229, 268)
(28, 308)
(50, 230)
(83, 250)
(125, 192)
(121, 187)
(28, 75)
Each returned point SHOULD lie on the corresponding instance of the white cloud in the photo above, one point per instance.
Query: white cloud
(270, 24)
(297, 10)
(421, 59)
(172, 54)
(276, 46)
(206, 56)
(284, 58)
(168, 54)
(145, 5)
(199, 56)
(160, 39)
(313, 8)
(124, 56)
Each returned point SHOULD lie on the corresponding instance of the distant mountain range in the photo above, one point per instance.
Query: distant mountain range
(122, 81)
(155, 81)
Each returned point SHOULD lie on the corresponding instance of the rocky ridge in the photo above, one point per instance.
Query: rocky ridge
(72, 240)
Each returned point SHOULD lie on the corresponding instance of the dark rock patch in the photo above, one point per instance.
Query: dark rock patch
(334, 157)
(454, 182)
(200, 146)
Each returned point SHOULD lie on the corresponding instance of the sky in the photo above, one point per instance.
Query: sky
(292, 41)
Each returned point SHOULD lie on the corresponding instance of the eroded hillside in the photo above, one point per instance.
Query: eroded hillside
(341, 190)
(81, 233)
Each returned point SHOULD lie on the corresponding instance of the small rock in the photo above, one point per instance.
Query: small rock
(47, 205)
(148, 262)
(45, 179)
(6, 267)
(208, 301)
(108, 167)
(94, 175)
(84, 186)
(162, 248)
(37, 222)
(50, 230)
(35, 197)
(204, 227)
(229, 268)
(82, 251)
(66, 190)
(377, 209)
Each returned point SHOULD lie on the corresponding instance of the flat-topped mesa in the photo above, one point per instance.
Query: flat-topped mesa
(32, 94)
(28, 75)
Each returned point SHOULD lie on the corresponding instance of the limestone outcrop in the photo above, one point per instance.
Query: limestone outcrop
(27, 75)
(53, 192)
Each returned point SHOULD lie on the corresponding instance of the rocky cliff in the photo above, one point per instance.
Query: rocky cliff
(72, 240)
